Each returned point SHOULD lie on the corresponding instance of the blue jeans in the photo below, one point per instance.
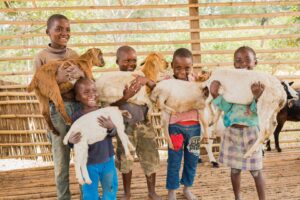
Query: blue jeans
(61, 152)
(106, 173)
(186, 141)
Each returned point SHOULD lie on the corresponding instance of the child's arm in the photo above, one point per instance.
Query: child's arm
(74, 139)
(128, 92)
(108, 124)
(144, 81)
(257, 89)
(219, 101)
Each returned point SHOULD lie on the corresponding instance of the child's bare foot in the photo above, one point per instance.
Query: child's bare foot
(188, 194)
(172, 195)
(126, 197)
(154, 196)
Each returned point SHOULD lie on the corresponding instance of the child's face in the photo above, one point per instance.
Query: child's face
(182, 67)
(127, 61)
(87, 94)
(244, 59)
(59, 33)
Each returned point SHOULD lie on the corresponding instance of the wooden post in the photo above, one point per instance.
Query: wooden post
(194, 24)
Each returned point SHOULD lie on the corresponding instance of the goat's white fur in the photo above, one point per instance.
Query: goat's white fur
(92, 132)
(176, 96)
(110, 87)
(236, 88)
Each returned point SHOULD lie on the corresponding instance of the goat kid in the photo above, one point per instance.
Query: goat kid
(236, 88)
(110, 85)
(175, 96)
(46, 88)
(91, 133)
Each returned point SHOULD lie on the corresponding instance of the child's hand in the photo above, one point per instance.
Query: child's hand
(106, 123)
(62, 74)
(130, 91)
(75, 138)
(75, 73)
(214, 89)
(257, 89)
(140, 79)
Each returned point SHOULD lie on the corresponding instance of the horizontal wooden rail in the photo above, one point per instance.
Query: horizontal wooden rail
(18, 102)
(157, 6)
(25, 144)
(204, 52)
(291, 130)
(159, 31)
(143, 43)
(11, 116)
(13, 86)
(160, 19)
(26, 156)
(22, 132)
(30, 0)
(223, 64)
(196, 65)
(16, 94)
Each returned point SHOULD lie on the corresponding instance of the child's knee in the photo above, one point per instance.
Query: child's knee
(255, 173)
(235, 171)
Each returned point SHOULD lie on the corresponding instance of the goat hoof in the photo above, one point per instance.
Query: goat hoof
(81, 182)
(199, 160)
(278, 150)
(268, 149)
(215, 164)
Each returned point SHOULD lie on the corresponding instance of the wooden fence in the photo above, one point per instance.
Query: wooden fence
(208, 29)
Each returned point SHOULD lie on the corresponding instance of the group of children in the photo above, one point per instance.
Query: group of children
(185, 131)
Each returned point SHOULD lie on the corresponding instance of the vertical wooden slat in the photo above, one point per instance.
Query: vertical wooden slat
(194, 24)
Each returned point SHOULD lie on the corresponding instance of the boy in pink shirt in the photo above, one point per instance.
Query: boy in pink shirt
(184, 130)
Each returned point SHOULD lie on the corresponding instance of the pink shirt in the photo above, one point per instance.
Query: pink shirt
(191, 115)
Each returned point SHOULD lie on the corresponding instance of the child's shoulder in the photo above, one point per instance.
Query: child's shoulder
(71, 53)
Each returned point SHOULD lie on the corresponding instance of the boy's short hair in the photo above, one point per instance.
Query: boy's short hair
(53, 18)
(245, 48)
(80, 81)
(183, 52)
(122, 49)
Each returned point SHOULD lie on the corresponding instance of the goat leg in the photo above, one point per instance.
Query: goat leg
(59, 104)
(215, 124)
(165, 117)
(44, 107)
(203, 121)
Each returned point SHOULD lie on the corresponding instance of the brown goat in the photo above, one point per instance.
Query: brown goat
(46, 88)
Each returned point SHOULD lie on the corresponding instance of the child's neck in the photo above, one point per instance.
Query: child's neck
(180, 79)
(56, 46)
(87, 109)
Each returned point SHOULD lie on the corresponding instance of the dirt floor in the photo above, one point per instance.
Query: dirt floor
(281, 171)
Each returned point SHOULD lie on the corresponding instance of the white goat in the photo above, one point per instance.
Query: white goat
(236, 88)
(213, 131)
(92, 132)
(110, 85)
(176, 96)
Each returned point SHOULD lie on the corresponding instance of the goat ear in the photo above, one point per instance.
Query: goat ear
(205, 91)
(126, 114)
(291, 83)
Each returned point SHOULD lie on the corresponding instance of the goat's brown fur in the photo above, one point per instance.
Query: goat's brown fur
(153, 64)
(46, 88)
